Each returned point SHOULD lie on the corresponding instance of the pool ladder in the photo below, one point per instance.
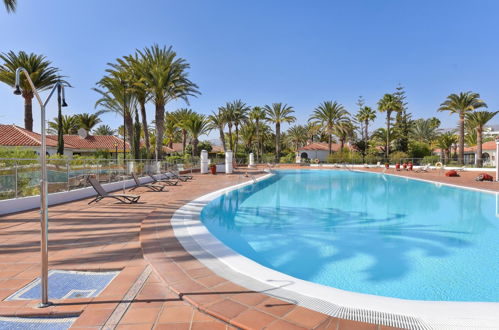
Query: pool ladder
(246, 175)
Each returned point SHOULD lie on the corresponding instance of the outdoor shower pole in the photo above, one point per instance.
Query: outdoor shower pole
(43, 181)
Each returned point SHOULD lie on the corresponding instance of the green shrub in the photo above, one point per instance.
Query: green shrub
(430, 160)
(419, 149)
(288, 159)
(398, 157)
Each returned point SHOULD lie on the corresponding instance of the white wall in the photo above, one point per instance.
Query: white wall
(315, 154)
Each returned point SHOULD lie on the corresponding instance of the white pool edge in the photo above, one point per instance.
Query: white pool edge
(198, 241)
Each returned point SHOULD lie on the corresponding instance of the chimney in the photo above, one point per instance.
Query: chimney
(82, 133)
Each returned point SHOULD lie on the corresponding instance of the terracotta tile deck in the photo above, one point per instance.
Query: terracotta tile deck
(180, 293)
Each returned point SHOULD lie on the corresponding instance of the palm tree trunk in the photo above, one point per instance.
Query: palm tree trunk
(195, 142)
(330, 143)
(160, 128)
(129, 131)
(28, 112)
(222, 138)
(143, 115)
(60, 137)
(231, 146)
(461, 139)
(366, 132)
(387, 150)
(184, 140)
(479, 161)
(342, 144)
(277, 141)
(237, 139)
(257, 140)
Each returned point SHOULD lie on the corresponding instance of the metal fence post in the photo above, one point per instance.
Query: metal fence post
(67, 174)
(16, 178)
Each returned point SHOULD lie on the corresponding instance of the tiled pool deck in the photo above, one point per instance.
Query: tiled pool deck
(179, 293)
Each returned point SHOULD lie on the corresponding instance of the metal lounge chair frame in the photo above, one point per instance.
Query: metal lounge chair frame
(101, 194)
(167, 181)
(183, 178)
(151, 186)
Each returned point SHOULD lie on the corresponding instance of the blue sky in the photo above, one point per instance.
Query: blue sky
(297, 52)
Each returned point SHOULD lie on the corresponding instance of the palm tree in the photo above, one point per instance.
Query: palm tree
(257, 114)
(104, 130)
(277, 114)
(88, 121)
(43, 75)
(217, 121)
(10, 5)
(239, 117)
(328, 115)
(384, 138)
(172, 131)
(134, 66)
(69, 125)
(445, 142)
(461, 104)
(365, 116)
(389, 103)
(297, 136)
(477, 121)
(228, 114)
(181, 116)
(165, 77)
(344, 130)
(424, 130)
(196, 125)
(116, 97)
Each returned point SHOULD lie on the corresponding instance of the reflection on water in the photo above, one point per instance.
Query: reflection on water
(360, 232)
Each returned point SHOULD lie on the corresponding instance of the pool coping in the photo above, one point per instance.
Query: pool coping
(198, 241)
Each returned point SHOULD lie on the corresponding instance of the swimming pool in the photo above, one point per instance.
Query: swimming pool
(366, 233)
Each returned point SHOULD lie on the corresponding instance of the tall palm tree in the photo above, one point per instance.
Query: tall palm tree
(461, 104)
(477, 121)
(104, 130)
(43, 75)
(196, 125)
(165, 76)
(228, 114)
(134, 66)
(69, 125)
(239, 117)
(365, 116)
(257, 114)
(181, 116)
(383, 138)
(10, 5)
(88, 121)
(389, 103)
(328, 115)
(217, 121)
(277, 114)
(116, 97)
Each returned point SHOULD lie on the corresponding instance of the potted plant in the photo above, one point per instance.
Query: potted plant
(213, 169)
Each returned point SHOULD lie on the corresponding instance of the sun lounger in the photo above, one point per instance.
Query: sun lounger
(423, 169)
(177, 176)
(101, 194)
(166, 181)
(151, 186)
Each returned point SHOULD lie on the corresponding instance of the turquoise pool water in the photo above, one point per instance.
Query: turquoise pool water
(367, 233)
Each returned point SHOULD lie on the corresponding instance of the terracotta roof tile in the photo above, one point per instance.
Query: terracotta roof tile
(15, 136)
(94, 142)
(322, 146)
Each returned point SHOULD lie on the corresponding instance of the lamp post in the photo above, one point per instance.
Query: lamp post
(44, 216)
(116, 152)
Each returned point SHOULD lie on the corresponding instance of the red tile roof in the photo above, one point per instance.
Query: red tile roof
(322, 146)
(93, 142)
(15, 136)
(489, 145)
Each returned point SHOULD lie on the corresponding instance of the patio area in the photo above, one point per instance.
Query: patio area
(159, 285)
